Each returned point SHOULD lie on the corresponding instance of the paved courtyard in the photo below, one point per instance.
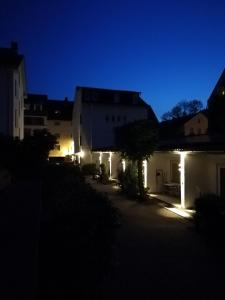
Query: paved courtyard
(160, 256)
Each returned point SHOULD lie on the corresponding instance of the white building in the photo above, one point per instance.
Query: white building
(12, 91)
(97, 112)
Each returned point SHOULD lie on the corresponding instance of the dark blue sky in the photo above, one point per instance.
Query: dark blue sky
(168, 50)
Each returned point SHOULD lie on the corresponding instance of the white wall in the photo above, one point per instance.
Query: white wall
(96, 132)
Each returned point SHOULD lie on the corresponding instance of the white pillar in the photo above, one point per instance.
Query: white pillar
(182, 178)
(110, 165)
(124, 165)
(100, 158)
(145, 173)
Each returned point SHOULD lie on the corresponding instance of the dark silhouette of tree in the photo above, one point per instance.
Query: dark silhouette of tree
(137, 141)
(182, 109)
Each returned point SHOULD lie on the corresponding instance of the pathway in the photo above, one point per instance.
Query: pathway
(161, 256)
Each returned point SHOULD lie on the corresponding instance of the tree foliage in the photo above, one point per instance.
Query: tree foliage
(137, 141)
(182, 109)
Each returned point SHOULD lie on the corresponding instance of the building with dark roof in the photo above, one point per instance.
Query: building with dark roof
(12, 91)
(97, 112)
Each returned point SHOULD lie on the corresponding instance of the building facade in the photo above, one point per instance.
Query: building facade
(53, 115)
(97, 112)
(12, 91)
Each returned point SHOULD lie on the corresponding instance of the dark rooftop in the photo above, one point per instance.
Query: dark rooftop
(110, 96)
(10, 56)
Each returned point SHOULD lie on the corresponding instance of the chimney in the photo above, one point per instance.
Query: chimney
(66, 99)
(14, 46)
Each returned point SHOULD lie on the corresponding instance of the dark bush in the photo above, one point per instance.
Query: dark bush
(210, 214)
(104, 176)
(89, 169)
(77, 236)
(128, 180)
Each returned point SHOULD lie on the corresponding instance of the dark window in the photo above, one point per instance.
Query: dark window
(80, 140)
(107, 118)
(16, 121)
(33, 121)
(57, 123)
(80, 119)
(118, 118)
(117, 98)
(113, 118)
(27, 106)
(199, 131)
(124, 118)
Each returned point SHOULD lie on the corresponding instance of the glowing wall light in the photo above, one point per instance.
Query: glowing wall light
(123, 165)
(145, 172)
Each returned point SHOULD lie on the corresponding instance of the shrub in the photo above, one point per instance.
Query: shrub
(89, 169)
(129, 180)
(210, 213)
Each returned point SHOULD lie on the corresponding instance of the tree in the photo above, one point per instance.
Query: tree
(137, 141)
(182, 109)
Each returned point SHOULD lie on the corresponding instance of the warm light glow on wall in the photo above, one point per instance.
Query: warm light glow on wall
(145, 172)
(81, 153)
(123, 165)
(100, 158)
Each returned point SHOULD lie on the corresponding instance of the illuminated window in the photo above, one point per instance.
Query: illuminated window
(223, 93)
(57, 147)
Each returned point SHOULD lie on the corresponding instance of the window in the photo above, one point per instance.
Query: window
(34, 121)
(223, 93)
(113, 118)
(57, 112)
(124, 118)
(34, 107)
(199, 131)
(80, 140)
(199, 121)
(27, 106)
(80, 119)
(118, 118)
(57, 135)
(57, 123)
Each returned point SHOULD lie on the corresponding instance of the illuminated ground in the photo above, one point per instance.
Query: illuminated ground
(160, 256)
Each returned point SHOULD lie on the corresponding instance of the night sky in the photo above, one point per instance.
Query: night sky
(168, 50)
